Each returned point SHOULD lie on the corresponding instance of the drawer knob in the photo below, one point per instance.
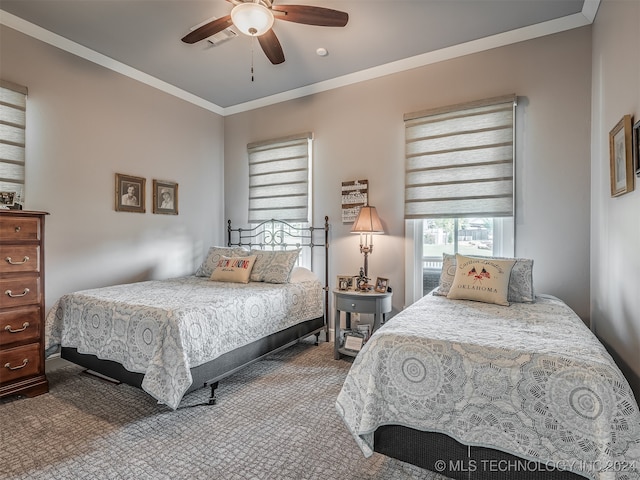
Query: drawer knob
(11, 262)
(24, 364)
(15, 295)
(17, 229)
(11, 330)
(353, 305)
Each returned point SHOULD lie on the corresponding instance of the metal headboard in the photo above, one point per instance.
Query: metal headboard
(278, 235)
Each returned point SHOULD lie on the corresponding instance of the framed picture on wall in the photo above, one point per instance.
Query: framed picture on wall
(165, 197)
(354, 196)
(130, 193)
(636, 146)
(621, 158)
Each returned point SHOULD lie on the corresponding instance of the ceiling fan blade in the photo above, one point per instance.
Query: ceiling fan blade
(211, 28)
(271, 47)
(309, 15)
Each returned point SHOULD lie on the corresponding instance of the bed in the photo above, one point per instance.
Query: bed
(173, 336)
(478, 390)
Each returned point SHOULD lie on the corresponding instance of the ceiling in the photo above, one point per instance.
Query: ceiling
(382, 37)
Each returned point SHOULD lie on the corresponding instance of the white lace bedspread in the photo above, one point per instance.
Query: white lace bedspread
(163, 328)
(529, 379)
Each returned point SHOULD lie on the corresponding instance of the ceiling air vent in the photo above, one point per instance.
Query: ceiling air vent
(220, 37)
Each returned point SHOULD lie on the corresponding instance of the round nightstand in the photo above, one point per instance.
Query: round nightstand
(357, 302)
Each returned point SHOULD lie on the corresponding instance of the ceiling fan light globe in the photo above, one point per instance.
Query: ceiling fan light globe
(252, 19)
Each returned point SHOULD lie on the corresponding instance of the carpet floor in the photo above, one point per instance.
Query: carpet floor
(275, 419)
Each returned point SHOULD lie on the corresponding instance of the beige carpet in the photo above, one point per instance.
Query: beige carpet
(274, 420)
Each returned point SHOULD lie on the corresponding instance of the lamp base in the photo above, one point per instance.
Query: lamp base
(366, 265)
(366, 250)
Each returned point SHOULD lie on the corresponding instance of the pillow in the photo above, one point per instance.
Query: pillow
(273, 266)
(446, 275)
(481, 279)
(233, 269)
(214, 254)
(301, 274)
(520, 282)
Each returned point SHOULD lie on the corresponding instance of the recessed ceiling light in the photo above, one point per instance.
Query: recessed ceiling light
(322, 52)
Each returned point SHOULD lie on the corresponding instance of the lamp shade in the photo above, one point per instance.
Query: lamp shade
(252, 19)
(367, 221)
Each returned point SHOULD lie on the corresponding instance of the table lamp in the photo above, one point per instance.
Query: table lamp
(367, 223)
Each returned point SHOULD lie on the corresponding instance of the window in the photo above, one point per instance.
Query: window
(13, 106)
(459, 181)
(467, 236)
(280, 179)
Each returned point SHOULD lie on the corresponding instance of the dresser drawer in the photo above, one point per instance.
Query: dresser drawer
(19, 291)
(20, 229)
(20, 325)
(20, 258)
(19, 362)
(356, 304)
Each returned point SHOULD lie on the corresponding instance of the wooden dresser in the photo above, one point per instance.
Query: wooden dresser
(22, 303)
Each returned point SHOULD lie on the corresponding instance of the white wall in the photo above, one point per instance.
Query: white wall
(84, 124)
(359, 134)
(615, 222)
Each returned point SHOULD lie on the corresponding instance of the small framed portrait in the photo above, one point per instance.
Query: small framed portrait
(381, 285)
(7, 199)
(621, 157)
(344, 283)
(130, 193)
(353, 341)
(636, 146)
(165, 197)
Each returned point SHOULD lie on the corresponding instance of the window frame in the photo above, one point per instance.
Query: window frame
(13, 125)
(504, 227)
(262, 156)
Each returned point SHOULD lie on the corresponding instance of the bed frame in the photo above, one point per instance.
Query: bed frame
(273, 234)
(429, 449)
(279, 235)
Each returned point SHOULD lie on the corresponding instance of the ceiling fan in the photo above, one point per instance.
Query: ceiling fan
(255, 18)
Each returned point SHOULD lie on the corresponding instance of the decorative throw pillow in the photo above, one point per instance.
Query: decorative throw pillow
(273, 266)
(520, 282)
(446, 275)
(481, 279)
(213, 256)
(233, 269)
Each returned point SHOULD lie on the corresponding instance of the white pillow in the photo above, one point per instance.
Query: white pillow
(301, 274)
(481, 279)
(233, 269)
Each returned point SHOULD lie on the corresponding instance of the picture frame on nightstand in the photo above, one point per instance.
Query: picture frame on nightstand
(381, 284)
(344, 283)
(353, 341)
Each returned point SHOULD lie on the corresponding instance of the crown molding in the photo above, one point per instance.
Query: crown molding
(585, 17)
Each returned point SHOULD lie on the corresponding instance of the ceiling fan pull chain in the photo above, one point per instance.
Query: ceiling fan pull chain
(253, 42)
